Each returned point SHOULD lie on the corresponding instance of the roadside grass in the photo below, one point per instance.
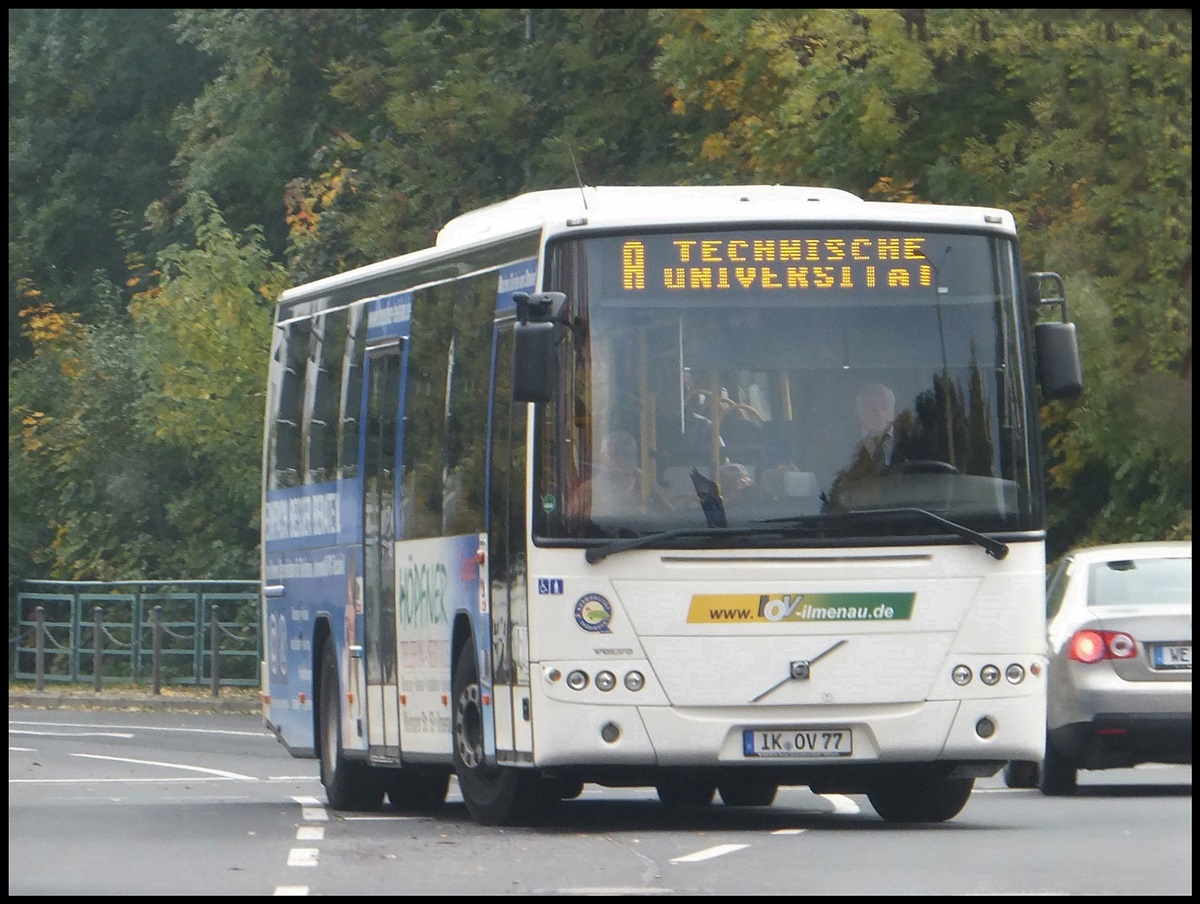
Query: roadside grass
(138, 689)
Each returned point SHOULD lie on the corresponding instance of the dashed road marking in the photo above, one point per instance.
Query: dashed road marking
(708, 853)
(303, 856)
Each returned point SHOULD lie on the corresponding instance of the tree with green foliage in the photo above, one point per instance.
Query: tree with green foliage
(134, 443)
(91, 93)
(1076, 120)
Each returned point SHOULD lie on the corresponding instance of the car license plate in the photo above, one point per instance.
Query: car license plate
(797, 742)
(1173, 656)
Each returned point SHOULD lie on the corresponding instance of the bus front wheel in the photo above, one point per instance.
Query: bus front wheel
(920, 795)
(495, 795)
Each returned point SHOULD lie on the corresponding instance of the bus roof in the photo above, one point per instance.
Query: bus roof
(551, 211)
(641, 206)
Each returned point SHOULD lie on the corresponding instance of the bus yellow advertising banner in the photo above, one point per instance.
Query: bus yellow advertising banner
(746, 608)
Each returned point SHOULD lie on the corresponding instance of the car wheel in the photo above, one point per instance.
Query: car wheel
(1058, 774)
(1021, 774)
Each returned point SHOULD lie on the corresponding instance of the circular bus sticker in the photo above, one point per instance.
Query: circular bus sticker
(593, 613)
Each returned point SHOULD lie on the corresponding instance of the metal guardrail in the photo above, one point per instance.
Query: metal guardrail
(181, 632)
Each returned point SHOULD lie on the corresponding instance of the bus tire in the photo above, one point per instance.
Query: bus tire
(417, 792)
(494, 795)
(747, 791)
(683, 791)
(349, 785)
(920, 795)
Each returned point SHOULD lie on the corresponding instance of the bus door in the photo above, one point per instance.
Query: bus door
(506, 563)
(384, 367)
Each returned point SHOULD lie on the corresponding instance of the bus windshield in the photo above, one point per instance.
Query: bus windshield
(756, 378)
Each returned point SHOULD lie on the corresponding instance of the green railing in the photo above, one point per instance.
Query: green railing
(153, 632)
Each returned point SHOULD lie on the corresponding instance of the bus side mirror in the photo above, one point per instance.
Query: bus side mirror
(535, 341)
(1060, 370)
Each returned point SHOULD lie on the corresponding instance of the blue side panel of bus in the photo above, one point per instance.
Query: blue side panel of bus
(312, 547)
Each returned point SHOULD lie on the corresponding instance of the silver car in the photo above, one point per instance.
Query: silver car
(1119, 692)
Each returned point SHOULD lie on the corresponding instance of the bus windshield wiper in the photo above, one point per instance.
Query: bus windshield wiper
(595, 554)
(994, 548)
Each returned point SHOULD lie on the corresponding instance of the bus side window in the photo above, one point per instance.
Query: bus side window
(351, 395)
(467, 408)
(321, 408)
(285, 452)
(424, 408)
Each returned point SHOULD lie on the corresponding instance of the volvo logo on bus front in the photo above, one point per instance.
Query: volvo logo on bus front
(798, 670)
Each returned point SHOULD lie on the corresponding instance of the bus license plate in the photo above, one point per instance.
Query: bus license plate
(797, 742)
(1173, 656)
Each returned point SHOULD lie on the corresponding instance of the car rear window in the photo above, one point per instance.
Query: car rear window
(1133, 582)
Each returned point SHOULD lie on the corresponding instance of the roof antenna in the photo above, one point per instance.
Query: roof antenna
(578, 178)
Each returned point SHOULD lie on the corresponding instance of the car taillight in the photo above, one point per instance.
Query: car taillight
(1092, 646)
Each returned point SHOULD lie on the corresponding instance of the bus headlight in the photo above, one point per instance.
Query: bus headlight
(989, 674)
(577, 680)
(605, 681)
(634, 681)
(961, 675)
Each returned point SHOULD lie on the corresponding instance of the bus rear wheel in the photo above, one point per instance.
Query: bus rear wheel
(349, 785)
(495, 795)
(920, 795)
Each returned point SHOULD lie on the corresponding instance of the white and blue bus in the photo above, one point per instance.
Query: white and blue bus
(574, 496)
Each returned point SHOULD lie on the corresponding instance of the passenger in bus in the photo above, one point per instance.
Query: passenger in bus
(887, 440)
(737, 486)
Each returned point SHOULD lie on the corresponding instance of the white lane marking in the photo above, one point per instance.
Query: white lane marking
(303, 856)
(72, 734)
(603, 892)
(292, 890)
(120, 759)
(314, 814)
(306, 801)
(707, 854)
(104, 727)
(310, 833)
(789, 831)
(12, 749)
(125, 781)
(136, 781)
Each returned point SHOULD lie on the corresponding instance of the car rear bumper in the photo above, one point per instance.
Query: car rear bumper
(1121, 740)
